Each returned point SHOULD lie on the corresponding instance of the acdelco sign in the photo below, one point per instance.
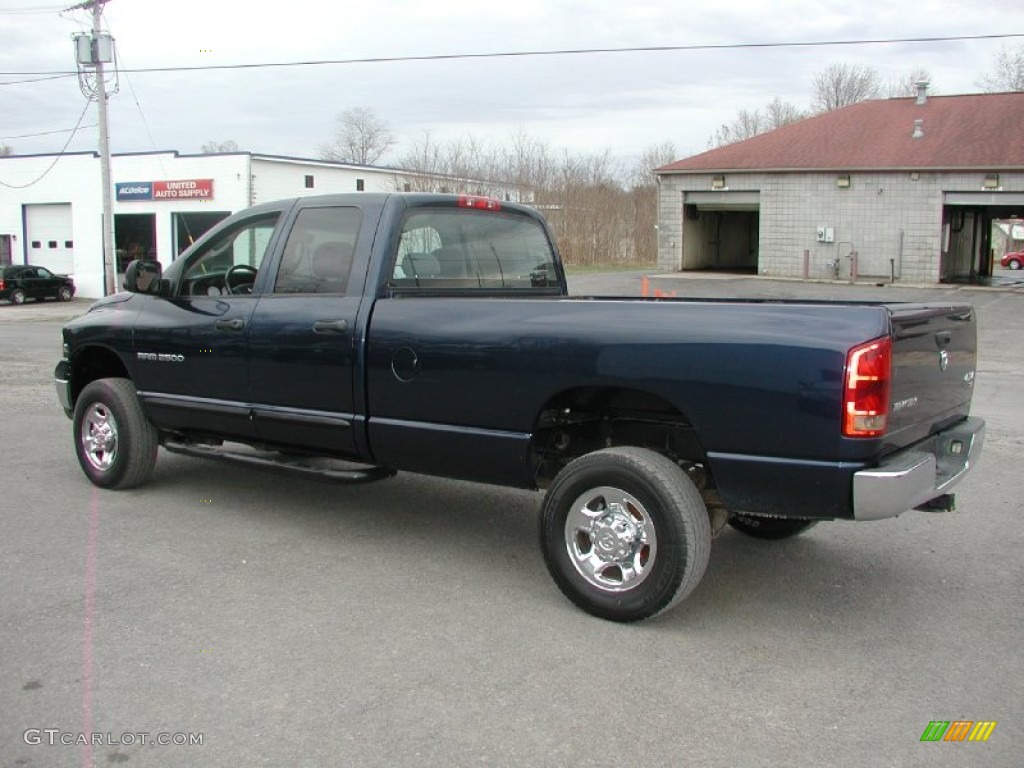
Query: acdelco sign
(182, 189)
(134, 190)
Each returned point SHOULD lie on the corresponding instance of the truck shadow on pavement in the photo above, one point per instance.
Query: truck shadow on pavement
(489, 534)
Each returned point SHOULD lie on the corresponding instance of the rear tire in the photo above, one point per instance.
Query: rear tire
(116, 444)
(17, 296)
(770, 528)
(625, 533)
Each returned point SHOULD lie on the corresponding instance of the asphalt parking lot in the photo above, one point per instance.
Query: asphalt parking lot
(412, 623)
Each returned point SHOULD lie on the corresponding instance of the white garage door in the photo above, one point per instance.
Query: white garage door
(51, 243)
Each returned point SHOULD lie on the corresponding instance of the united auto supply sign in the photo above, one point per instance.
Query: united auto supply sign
(185, 189)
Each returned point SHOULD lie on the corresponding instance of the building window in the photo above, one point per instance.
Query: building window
(407, 187)
(360, 185)
(309, 181)
(36, 244)
(69, 244)
(52, 243)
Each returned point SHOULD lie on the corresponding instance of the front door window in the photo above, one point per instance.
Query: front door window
(229, 264)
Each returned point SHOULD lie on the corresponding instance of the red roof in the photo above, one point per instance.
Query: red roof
(974, 131)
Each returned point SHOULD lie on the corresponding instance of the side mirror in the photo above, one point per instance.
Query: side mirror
(143, 276)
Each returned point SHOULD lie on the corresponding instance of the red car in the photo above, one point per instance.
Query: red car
(1013, 260)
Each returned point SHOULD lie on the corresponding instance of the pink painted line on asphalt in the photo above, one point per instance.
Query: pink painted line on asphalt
(88, 617)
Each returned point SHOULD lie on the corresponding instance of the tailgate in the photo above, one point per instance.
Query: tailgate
(933, 364)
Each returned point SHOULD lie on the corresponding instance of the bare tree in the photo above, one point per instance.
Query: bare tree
(840, 85)
(907, 84)
(641, 174)
(600, 210)
(6, 150)
(747, 123)
(643, 200)
(779, 113)
(361, 137)
(455, 165)
(1008, 74)
(526, 160)
(213, 147)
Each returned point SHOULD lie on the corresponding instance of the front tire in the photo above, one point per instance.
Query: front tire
(625, 533)
(116, 444)
(64, 293)
(770, 528)
(1014, 264)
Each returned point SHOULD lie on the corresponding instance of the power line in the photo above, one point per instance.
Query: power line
(30, 11)
(558, 52)
(47, 133)
(64, 149)
(37, 79)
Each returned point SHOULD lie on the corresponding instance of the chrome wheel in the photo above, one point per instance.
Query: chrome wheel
(99, 436)
(610, 538)
(624, 533)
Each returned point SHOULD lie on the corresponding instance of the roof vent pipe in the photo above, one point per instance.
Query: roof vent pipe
(922, 92)
(918, 129)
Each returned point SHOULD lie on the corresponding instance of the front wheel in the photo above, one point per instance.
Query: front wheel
(770, 528)
(64, 293)
(1014, 264)
(116, 444)
(625, 533)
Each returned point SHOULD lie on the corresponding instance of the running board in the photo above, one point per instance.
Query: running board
(313, 467)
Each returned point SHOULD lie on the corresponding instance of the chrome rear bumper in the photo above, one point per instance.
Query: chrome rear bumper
(918, 474)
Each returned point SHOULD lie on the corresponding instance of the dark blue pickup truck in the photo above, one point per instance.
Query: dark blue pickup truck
(346, 337)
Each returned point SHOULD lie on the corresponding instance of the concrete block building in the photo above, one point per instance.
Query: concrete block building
(902, 189)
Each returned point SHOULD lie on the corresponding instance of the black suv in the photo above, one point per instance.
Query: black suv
(22, 281)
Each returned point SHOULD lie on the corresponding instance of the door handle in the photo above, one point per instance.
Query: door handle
(235, 324)
(330, 326)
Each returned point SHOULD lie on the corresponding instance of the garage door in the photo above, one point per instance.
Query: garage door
(50, 239)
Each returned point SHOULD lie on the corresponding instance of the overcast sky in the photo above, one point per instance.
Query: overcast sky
(622, 102)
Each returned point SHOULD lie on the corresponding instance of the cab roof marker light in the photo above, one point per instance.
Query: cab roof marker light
(866, 390)
(479, 203)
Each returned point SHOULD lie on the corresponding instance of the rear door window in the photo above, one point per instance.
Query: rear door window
(463, 250)
(319, 251)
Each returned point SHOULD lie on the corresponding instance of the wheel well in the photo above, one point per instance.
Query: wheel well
(586, 419)
(92, 364)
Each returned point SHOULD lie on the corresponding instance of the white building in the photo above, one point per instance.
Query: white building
(51, 207)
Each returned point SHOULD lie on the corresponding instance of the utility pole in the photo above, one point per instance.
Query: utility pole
(93, 52)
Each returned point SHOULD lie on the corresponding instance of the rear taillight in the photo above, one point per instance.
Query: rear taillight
(1, 285)
(866, 389)
(479, 203)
